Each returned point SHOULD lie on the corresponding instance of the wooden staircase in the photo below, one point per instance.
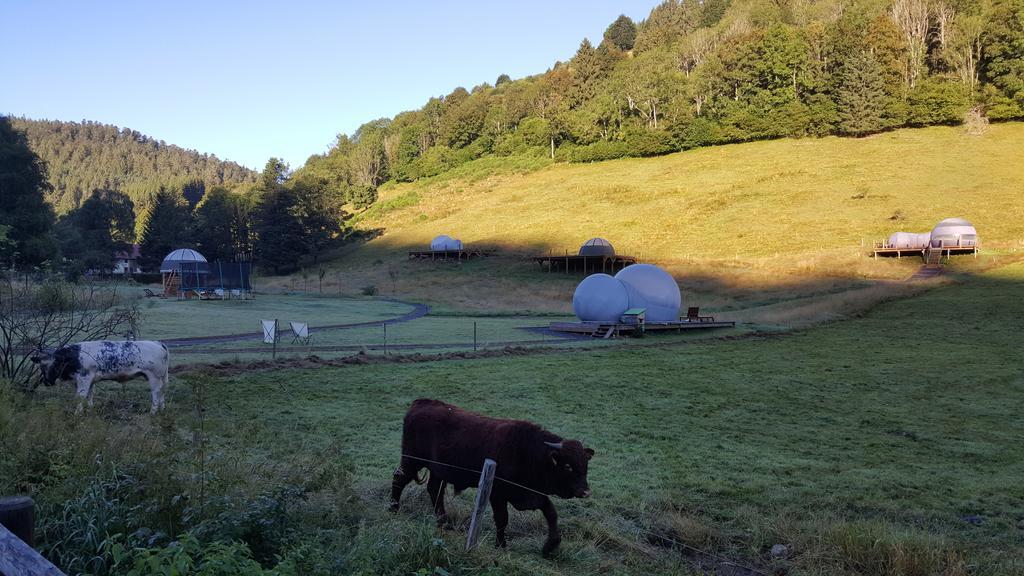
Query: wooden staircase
(933, 257)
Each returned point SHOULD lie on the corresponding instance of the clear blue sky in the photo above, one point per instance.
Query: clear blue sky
(250, 80)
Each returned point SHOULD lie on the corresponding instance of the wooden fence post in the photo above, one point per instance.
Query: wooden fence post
(18, 514)
(17, 524)
(483, 495)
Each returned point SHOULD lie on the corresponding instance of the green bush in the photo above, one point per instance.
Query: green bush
(936, 101)
(598, 151)
(644, 142)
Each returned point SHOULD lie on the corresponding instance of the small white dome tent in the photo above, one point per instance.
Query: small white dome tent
(954, 232)
(654, 289)
(600, 298)
(908, 240)
(597, 247)
(445, 243)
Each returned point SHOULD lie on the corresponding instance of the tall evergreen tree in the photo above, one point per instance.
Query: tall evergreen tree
(91, 234)
(215, 226)
(280, 235)
(621, 33)
(861, 98)
(23, 209)
(168, 227)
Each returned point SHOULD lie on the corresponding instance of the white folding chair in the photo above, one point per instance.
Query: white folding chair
(300, 331)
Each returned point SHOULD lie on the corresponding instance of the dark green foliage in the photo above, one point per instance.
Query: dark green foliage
(1003, 62)
(221, 228)
(712, 11)
(90, 234)
(502, 79)
(24, 214)
(621, 33)
(862, 100)
(280, 235)
(936, 101)
(711, 72)
(168, 227)
(598, 151)
(87, 156)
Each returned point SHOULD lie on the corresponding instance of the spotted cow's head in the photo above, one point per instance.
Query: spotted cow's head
(46, 360)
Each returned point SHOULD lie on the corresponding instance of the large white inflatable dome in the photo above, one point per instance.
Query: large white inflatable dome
(954, 232)
(652, 288)
(444, 242)
(600, 298)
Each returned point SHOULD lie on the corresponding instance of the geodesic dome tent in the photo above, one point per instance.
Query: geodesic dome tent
(652, 288)
(192, 259)
(445, 243)
(908, 240)
(603, 298)
(954, 232)
(597, 247)
(180, 263)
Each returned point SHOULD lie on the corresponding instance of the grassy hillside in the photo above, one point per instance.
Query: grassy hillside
(792, 198)
(766, 232)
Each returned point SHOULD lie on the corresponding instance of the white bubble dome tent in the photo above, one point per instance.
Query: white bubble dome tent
(600, 298)
(597, 247)
(908, 240)
(445, 243)
(954, 232)
(654, 289)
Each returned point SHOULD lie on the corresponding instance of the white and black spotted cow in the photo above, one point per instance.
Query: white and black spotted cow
(118, 360)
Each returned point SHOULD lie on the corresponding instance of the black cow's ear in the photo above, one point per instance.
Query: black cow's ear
(589, 452)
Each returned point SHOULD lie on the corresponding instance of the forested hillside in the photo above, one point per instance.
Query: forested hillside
(87, 156)
(702, 73)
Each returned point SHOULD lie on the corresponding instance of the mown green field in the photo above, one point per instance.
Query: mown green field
(887, 444)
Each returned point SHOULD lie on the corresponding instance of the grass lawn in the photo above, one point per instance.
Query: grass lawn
(173, 318)
(887, 444)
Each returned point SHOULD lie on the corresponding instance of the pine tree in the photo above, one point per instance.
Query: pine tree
(215, 227)
(621, 33)
(861, 98)
(23, 210)
(168, 227)
(280, 241)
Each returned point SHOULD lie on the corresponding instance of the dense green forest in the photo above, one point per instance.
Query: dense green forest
(270, 219)
(703, 73)
(87, 156)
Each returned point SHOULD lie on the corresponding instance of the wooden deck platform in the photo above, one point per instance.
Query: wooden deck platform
(897, 252)
(585, 264)
(606, 329)
(458, 255)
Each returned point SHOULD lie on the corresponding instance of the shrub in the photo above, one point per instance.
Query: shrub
(369, 290)
(598, 151)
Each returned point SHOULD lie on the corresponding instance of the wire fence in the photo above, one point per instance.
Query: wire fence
(603, 520)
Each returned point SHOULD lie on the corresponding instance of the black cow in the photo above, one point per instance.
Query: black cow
(452, 444)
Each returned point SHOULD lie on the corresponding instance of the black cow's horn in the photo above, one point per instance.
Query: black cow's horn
(555, 446)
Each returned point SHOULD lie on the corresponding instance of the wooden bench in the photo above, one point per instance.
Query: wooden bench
(693, 315)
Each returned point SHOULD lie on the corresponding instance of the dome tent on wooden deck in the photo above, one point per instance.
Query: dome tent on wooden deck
(597, 247)
(954, 233)
(179, 262)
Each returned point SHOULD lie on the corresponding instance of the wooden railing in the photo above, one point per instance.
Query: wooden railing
(17, 557)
